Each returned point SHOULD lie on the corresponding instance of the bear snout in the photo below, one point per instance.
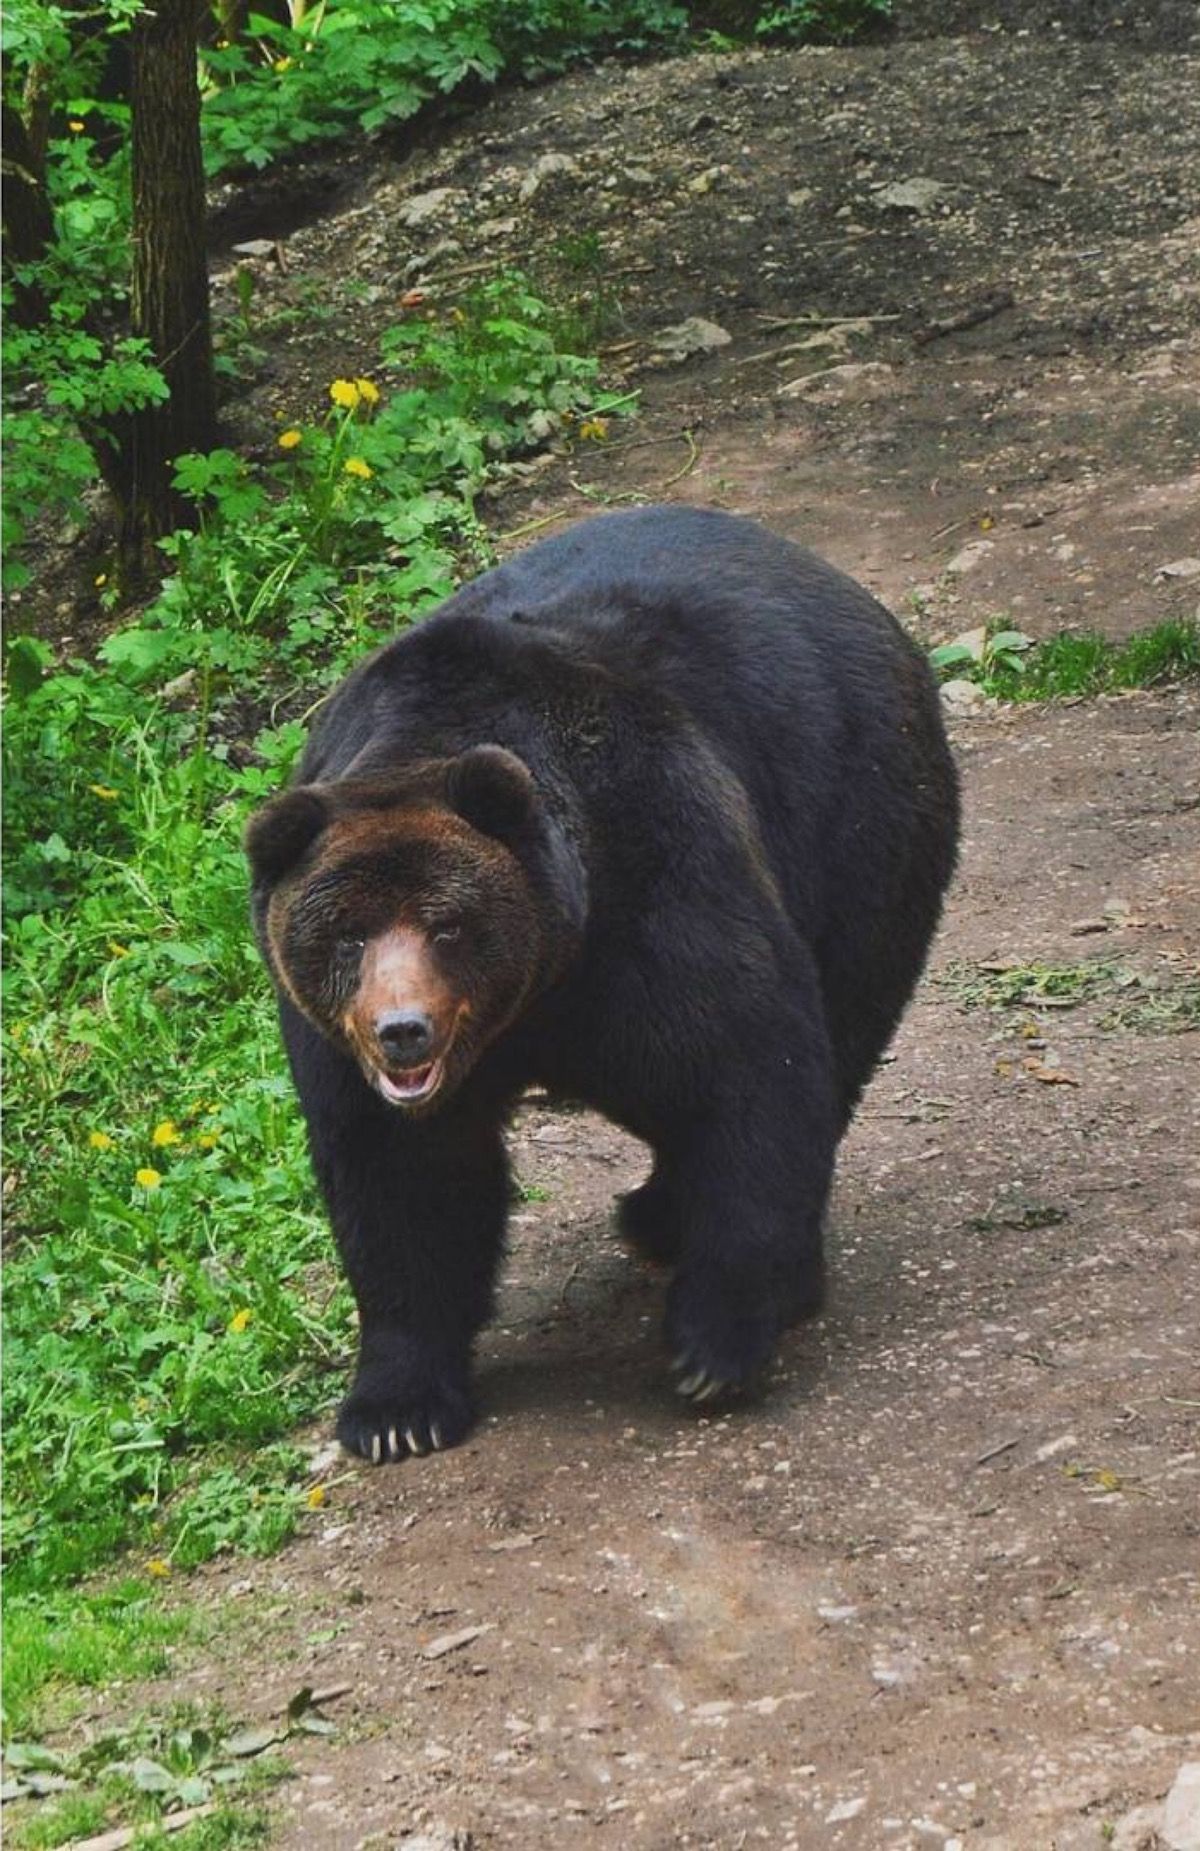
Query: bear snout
(405, 1035)
(404, 1017)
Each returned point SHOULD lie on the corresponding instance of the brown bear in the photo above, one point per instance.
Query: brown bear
(659, 814)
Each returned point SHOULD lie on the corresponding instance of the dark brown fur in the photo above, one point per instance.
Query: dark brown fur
(659, 814)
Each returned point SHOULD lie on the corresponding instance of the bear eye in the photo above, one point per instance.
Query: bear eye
(348, 949)
(446, 931)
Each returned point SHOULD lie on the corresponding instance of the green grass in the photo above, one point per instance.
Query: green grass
(64, 1645)
(1008, 986)
(86, 1815)
(137, 1773)
(1141, 1002)
(1068, 666)
(172, 1309)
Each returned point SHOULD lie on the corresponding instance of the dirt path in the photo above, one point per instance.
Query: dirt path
(940, 1588)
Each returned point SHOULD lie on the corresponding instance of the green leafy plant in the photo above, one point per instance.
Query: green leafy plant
(1141, 1002)
(996, 650)
(1011, 666)
(172, 1311)
(822, 19)
(149, 1769)
(363, 62)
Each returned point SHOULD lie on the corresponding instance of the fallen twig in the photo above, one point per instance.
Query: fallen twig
(819, 321)
(772, 353)
(968, 318)
(130, 1834)
(693, 459)
(326, 1694)
(950, 527)
(544, 520)
(994, 1452)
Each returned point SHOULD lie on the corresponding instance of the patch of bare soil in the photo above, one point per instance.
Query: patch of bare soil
(940, 1587)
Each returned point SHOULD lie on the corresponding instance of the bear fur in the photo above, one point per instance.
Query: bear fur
(658, 814)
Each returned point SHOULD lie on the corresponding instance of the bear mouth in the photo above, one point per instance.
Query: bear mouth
(409, 1085)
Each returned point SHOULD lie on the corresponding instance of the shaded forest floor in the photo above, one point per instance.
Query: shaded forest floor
(940, 1588)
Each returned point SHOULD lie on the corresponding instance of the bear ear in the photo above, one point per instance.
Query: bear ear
(280, 833)
(492, 790)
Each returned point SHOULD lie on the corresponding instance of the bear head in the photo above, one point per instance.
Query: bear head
(411, 916)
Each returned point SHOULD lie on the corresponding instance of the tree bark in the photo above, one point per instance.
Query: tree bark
(28, 219)
(169, 298)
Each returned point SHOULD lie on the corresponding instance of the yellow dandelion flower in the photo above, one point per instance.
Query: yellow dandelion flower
(100, 1140)
(148, 1179)
(117, 951)
(159, 1568)
(207, 1140)
(104, 791)
(165, 1133)
(595, 428)
(289, 439)
(345, 393)
(354, 466)
(316, 1497)
(368, 391)
(100, 580)
(76, 126)
(240, 1319)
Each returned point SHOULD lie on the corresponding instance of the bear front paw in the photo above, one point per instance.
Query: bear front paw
(383, 1422)
(719, 1341)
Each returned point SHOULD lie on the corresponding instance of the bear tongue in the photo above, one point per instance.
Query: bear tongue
(411, 1084)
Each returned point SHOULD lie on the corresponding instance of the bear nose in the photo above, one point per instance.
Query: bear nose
(405, 1035)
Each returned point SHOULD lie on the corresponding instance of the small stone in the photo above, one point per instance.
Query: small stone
(1178, 568)
(854, 379)
(422, 207)
(1066, 1442)
(845, 1809)
(1181, 1814)
(547, 167)
(916, 195)
(969, 556)
(693, 336)
(963, 697)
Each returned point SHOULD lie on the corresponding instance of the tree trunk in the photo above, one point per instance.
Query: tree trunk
(28, 219)
(170, 272)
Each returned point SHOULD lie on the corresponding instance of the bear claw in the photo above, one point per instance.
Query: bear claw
(697, 1384)
(384, 1424)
